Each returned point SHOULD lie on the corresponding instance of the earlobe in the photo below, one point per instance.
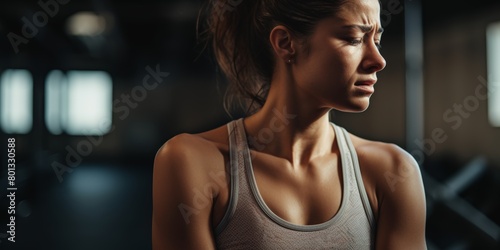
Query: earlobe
(282, 43)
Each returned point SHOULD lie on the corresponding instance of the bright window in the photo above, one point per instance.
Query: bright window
(493, 40)
(55, 104)
(16, 95)
(79, 102)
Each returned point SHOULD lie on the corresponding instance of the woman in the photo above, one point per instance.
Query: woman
(285, 177)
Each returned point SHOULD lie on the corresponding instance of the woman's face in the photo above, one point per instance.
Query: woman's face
(340, 68)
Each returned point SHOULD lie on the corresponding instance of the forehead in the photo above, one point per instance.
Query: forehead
(360, 11)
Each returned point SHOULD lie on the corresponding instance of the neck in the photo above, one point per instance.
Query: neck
(290, 126)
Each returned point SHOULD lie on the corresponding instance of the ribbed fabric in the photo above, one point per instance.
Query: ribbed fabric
(250, 224)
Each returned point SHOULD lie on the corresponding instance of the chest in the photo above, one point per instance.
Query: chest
(304, 196)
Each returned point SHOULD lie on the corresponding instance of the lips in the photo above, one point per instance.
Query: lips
(365, 83)
(365, 86)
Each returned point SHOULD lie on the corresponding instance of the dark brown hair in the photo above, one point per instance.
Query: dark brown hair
(238, 33)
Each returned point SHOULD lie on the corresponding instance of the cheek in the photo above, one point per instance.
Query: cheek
(328, 67)
(326, 71)
(323, 84)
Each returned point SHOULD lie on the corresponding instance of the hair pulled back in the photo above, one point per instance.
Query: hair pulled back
(238, 32)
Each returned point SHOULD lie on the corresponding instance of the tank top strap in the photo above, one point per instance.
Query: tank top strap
(236, 168)
(347, 147)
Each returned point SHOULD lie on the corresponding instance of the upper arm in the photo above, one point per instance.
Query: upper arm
(181, 207)
(402, 209)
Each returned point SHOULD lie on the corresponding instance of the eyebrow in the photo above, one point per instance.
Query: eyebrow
(364, 28)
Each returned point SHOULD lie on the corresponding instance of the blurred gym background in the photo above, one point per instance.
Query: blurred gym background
(91, 89)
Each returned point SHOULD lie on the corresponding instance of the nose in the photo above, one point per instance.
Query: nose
(373, 61)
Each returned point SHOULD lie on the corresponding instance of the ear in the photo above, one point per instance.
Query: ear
(282, 42)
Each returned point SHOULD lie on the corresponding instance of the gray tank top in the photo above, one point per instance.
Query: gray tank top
(249, 224)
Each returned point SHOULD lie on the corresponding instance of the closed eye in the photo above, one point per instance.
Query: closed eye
(355, 42)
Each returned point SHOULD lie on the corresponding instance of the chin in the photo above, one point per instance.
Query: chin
(356, 106)
(359, 109)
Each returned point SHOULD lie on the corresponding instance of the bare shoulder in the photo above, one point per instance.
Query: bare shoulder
(381, 151)
(385, 169)
(193, 148)
(394, 186)
(385, 163)
(189, 158)
(182, 198)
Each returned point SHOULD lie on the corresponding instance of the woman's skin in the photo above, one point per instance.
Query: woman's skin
(298, 169)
